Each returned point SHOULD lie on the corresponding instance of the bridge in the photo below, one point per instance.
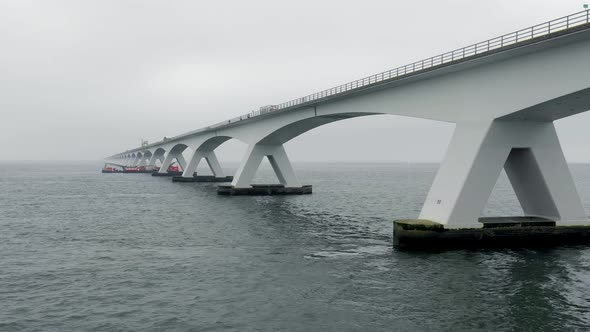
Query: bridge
(503, 94)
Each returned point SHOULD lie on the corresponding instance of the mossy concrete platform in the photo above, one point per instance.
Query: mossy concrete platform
(179, 173)
(264, 190)
(203, 178)
(506, 232)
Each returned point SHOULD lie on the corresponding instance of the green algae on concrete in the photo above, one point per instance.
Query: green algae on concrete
(419, 224)
(263, 190)
(408, 232)
(202, 178)
(429, 235)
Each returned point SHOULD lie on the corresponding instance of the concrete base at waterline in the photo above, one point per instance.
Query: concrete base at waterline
(264, 190)
(505, 232)
(167, 174)
(203, 178)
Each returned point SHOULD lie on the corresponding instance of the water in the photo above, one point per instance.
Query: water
(84, 251)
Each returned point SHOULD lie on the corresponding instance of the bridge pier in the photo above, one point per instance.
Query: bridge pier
(211, 159)
(532, 156)
(155, 157)
(530, 153)
(144, 159)
(278, 159)
(277, 156)
(190, 175)
(170, 157)
(136, 160)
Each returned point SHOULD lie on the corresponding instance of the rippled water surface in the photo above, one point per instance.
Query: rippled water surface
(84, 251)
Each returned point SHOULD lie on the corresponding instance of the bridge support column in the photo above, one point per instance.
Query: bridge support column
(278, 159)
(161, 158)
(153, 159)
(181, 161)
(170, 156)
(144, 160)
(136, 160)
(214, 165)
(532, 156)
(189, 174)
(193, 163)
(169, 159)
(211, 159)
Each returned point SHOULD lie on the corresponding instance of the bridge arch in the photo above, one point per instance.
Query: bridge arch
(178, 148)
(157, 155)
(136, 159)
(213, 143)
(270, 145)
(175, 153)
(285, 133)
(145, 158)
(206, 150)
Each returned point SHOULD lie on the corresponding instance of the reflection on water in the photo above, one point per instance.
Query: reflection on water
(82, 250)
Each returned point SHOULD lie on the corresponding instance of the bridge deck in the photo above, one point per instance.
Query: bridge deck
(539, 33)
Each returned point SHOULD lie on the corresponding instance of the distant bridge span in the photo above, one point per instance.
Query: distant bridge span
(503, 94)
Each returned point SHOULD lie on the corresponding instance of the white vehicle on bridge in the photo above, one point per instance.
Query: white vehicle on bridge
(268, 108)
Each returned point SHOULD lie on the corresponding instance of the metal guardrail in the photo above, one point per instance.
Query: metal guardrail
(539, 30)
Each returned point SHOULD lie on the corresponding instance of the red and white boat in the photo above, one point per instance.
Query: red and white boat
(172, 168)
(137, 169)
(111, 169)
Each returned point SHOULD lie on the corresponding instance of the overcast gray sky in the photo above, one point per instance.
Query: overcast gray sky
(80, 80)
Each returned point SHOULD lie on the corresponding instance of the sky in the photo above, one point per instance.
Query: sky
(81, 80)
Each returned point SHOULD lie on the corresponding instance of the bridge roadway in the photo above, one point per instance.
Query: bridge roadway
(503, 95)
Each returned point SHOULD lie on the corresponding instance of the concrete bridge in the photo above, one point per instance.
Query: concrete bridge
(503, 95)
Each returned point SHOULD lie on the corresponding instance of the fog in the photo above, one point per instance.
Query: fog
(80, 80)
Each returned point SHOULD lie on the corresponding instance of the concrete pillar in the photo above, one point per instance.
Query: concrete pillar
(170, 158)
(167, 161)
(211, 159)
(534, 162)
(144, 159)
(191, 168)
(278, 159)
(214, 165)
(152, 161)
(181, 161)
(136, 160)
